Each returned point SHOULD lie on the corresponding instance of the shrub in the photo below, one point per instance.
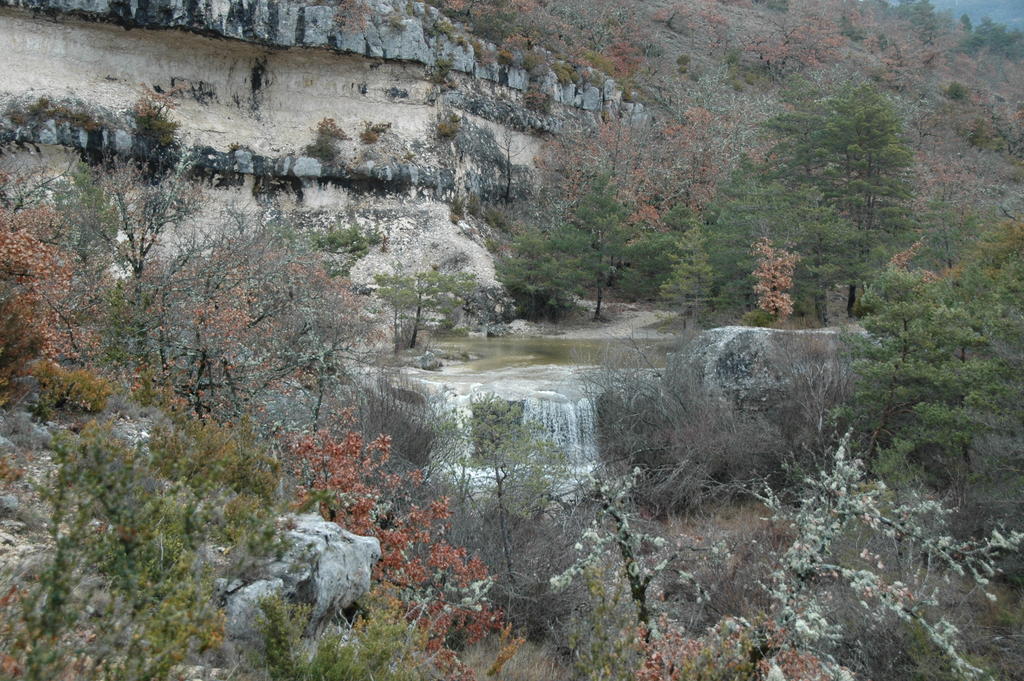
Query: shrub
(122, 593)
(457, 209)
(505, 57)
(536, 100)
(44, 109)
(20, 343)
(683, 62)
(347, 241)
(324, 147)
(206, 456)
(956, 91)
(440, 586)
(983, 135)
(75, 389)
(445, 28)
(759, 318)
(152, 120)
(372, 131)
(448, 125)
(381, 646)
(565, 73)
(442, 68)
(533, 60)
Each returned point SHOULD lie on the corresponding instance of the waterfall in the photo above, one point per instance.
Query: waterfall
(569, 423)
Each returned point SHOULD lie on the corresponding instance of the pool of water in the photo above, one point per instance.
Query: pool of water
(510, 352)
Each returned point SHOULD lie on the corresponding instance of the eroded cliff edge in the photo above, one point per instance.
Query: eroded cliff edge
(251, 80)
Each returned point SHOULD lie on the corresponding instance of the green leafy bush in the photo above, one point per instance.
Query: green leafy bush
(69, 388)
(346, 240)
(382, 646)
(565, 73)
(956, 91)
(122, 595)
(152, 118)
(324, 146)
(206, 456)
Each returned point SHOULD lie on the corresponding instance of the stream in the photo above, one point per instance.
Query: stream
(544, 373)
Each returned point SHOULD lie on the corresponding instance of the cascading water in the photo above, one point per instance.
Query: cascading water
(569, 423)
(550, 395)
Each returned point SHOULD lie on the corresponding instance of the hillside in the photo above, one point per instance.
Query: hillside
(1004, 11)
(657, 340)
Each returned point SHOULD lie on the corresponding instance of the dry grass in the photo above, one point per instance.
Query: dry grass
(532, 662)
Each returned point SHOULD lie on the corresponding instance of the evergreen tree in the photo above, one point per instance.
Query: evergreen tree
(849, 148)
(690, 280)
(602, 217)
(926, 376)
(410, 296)
(797, 219)
(545, 271)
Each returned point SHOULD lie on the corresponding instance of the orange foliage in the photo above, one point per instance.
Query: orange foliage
(737, 649)
(34, 277)
(350, 481)
(774, 274)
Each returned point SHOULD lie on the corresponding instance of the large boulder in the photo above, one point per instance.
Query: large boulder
(751, 367)
(324, 566)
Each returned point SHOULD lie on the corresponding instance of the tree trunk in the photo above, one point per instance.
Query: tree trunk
(600, 295)
(851, 300)
(415, 326)
(821, 307)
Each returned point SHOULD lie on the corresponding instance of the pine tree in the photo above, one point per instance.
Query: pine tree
(926, 376)
(849, 148)
(603, 218)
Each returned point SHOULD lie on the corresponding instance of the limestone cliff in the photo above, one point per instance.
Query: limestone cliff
(251, 80)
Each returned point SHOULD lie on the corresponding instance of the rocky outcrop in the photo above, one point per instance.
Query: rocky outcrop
(324, 567)
(748, 366)
(400, 31)
(99, 143)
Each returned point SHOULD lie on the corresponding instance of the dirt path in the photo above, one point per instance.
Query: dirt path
(621, 320)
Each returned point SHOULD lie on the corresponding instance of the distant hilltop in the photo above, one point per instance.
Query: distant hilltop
(1009, 12)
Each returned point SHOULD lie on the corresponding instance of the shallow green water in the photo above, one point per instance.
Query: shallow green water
(490, 354)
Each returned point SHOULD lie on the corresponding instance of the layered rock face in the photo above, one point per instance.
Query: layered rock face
(325, 567)
(251, 79)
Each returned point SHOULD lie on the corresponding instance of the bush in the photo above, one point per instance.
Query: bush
(20, 343)
(448, 126)
(43, 109)
(565, 73)
(122, 592)
(346, 241)
(75, 389)
(151, 118)
(758, 317)
(372, 131)
(457, 209)
(441, 71)
(324, 147)
(382, 646)
(505, 57)
(206, 456)
(533, 60)
(537, 100)
(956, 91)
